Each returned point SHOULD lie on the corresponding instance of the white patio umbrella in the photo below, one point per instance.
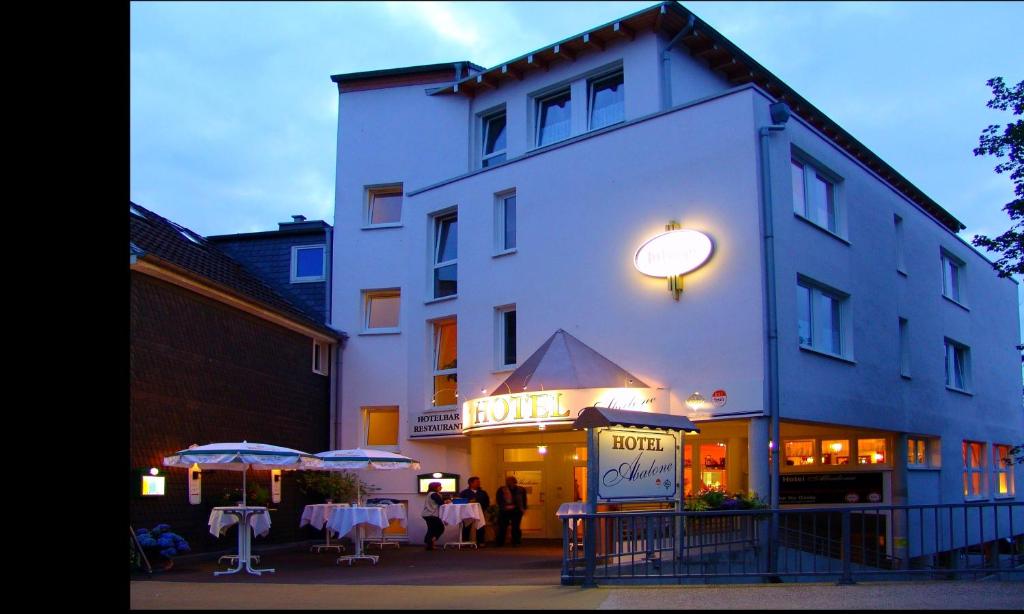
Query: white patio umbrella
(241, 456)
(358, 458)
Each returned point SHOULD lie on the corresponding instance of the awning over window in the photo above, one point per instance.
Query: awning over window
(564, 362)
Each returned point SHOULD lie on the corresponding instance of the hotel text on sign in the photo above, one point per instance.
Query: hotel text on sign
(636, 464)
(671, 253)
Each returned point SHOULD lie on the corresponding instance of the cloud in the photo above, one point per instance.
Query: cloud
(440, 17)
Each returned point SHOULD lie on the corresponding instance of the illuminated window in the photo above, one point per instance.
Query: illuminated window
(522, 455)
(607, 101)
(798, 452)
(505, 222)
(321, 359)
(380, 426)
(506, 336)
(952, 276)
(917, 449)
(554, 118)
(814, 196)
(687, 470)
(1003, 471)
(381, 310)
(308, 263)
(713, 474)
(871, 452)
(820, 318)
(493, 139)
(446, 379)
(957, 366)
(384, 205)
(974, 469)
(446, 251)
(835, 452)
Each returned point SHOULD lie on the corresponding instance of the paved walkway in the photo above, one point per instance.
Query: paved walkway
(882, 595)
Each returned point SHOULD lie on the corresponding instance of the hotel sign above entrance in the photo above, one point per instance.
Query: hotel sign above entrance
(548, 407)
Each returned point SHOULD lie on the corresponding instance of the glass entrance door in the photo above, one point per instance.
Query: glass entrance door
(534, 520)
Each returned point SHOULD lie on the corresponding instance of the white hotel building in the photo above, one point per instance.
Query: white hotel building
(479, 212)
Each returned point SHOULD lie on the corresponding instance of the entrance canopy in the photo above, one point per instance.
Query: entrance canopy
(591, 417)
(564, 362)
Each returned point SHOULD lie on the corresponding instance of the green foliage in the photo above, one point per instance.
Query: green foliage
(1006, 143)
(717, 499)
(254, 495)
(338, 486)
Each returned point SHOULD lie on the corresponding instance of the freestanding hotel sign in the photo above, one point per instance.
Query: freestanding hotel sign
(636, 464)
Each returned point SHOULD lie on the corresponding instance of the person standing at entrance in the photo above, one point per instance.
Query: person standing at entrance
(511, 500)
(475, 494)
(432, 514)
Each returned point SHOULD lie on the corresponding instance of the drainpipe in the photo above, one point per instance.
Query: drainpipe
(335, 364)
(779, 114)
(666, 79)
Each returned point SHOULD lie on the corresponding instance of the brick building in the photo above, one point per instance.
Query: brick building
(216, 354)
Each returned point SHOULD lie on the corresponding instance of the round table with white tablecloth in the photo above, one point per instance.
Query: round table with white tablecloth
(344, 519)
(316, 516)
(256, 518)
(457, 514)
(393, 511)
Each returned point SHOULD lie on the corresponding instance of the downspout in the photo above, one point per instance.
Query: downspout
(335, 363)
(666, 79)
(779, 114)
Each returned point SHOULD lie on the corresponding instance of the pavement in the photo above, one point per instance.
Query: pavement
(524, 577)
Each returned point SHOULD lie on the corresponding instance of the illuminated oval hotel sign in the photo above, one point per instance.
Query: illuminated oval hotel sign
(673, 253)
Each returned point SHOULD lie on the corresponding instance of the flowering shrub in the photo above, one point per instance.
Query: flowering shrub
(162, 539)
(717, 499)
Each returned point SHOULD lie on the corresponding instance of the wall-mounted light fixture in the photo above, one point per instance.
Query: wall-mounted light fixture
(696, 401)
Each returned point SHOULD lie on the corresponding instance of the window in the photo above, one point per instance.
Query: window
(901, 264)
(506, 319)
(381, 310)
(798, 452)
(505, 222)
(308, 263)
(871, 452)
(835, 452)
(554, 118)
(957, 366)
(446, 362)
(814, 196)
(446, 239)
(607, 101)
(917, 452)
(384, 205)
(1003, 479)
(321, 359)
(380, 427)
(904, 348)
(493, 139)
(952, 277)
(820, 319)
(974, 469)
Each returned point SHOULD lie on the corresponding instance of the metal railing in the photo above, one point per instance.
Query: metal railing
(955, 540)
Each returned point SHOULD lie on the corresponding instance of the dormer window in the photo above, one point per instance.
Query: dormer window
(494, 139)
(308, 263)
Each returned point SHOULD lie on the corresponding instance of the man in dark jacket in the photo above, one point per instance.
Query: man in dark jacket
(475, 494)
(511, 500)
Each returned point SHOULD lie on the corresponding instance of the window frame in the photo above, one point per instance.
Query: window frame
(592, 93)
(500, 207)
(949, 260)
(294, 269)
(485, 122)
(321, 363)
(368, 296)
(843, 299)
(969, 470)
(437, 219)
(904, 347)
(371, 192)
(912, 453)
(832, 179)
(565, 90)
(901, 246)
(1000, 468)
(499, 345)
(365, 430)
(435, 370)
(965, 364)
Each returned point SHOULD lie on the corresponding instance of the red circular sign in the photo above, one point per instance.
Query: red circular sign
(719, 398)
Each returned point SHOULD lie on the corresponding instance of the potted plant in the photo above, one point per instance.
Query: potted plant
(255, 495)
(333, 486)
(491, 520)
(160, 545)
